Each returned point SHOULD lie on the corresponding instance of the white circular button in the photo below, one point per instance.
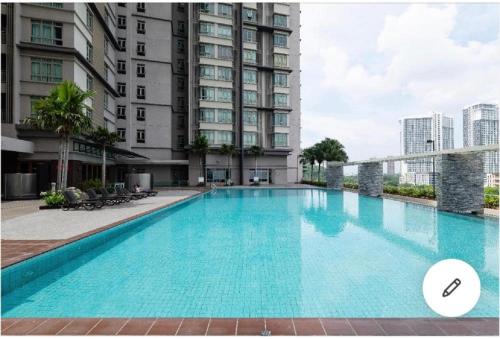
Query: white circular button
(451, 288)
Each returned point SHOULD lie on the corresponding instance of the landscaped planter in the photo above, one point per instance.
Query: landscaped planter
(53, 207)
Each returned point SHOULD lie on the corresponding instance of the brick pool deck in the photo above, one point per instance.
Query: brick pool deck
(16, 250)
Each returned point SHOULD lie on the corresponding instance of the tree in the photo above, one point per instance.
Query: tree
(200, 148)
(64, 112)
(319, 156)
(256, 151)
(229, 151)
(308, 157)
(105, 138)
(329, 150)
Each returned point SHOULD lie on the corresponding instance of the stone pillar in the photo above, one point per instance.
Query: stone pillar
(335, 176)
(371, 179)
(459, 184)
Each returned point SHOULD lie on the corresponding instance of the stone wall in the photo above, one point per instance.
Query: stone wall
(371, 179)
(335, 177)
(459, 184)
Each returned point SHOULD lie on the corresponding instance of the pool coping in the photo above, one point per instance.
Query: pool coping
(44, 246)
(252, 326)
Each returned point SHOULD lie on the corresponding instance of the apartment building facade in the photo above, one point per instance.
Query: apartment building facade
(163, 73)
(433, 132)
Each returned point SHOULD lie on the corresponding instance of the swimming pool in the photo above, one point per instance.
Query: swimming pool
(259, 253)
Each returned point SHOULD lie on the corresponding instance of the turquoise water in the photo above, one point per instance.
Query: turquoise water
(268, 253)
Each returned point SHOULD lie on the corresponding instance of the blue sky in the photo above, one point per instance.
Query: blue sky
(364, 66)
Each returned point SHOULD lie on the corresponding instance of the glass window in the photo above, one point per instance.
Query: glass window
(280, 119)
(141, 48)
(225, 10)
(210, 135)
(90, 52)
(249, 35)
(250, 97)
(122, 89)
(250, 118)
(181, 27)
(141, 70)
(180, 46)
(207, 93)
(90, 83)
(141, 114)
(224, 137)
(46, 32)
(280, 40)
(121, 112)
(224, 31)
(121, 133)
(225, 52)
(249, 76)
(280, 139)
(250, 55)
(106, 100)
(249, 138)
(47, 70)
(141, 26)
(280, 80)
(207, 7)
(249, 14)
(141, 7)
(280, 60)
(225, 95)
(207, 50)
(225, 73)
(122, 44)
(207, 28)
(280, 100)
(207, 72)
(121, 67)
(90, 19)
(141, 136)
(280, 20)
(122, 21)
(207, 114)
(225, 116)
(141, 92)
(217, 174)
(180, 141)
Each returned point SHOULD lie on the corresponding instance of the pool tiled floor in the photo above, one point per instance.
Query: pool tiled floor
(247, 326)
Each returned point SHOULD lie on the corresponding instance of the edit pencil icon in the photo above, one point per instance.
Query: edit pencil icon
(451, 287)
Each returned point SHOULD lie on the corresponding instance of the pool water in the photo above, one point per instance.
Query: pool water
(268, 253)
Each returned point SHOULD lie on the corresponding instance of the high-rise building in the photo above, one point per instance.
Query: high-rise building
(480, 127)
(163, 73)
(433, 132)
(391, 168)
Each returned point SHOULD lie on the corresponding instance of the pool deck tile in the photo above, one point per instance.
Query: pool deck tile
(165, 327)
(280, 326)
(453, 327)
(79, 326)
(424, 327)
(194, 326)
(337, 326)
(50, 327)
(221, 326)
(366, 327)
(137, 326)
(23, 326)
(395, 327)
(250, 326)
(308, 326)
(108, 326)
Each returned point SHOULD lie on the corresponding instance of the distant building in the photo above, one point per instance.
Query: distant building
(391, 168)
(481, 128)
(416, 136)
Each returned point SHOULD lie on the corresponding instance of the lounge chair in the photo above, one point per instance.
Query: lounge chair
(118, 197)
(135, 196)
(71, 200)
(149, 192)
(105, 200)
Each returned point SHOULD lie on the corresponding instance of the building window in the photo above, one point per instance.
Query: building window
(122, 89)
(280, 40)
(280, 60)
(210, 135)
(90, 19)
(207, 115)
(280, 20)
(218, 174)
(141, 92)
(180, 46)
(121, 112)
(250, 56)
(207, 93)
(225, 10)
(224, 95)
(280, 139)
(207, 28)
(141, 7)
(249, 138)
(207, 8)
(180, 84)
(224, 73)
(250, 97)
(122, 44)
(141, 48)
(121, 133)
(181, 103)
(50, 4)
(249, 14)
(249, 76)
(225, 52)
(280, 79)
(250, 118)
(207, 50)
(122, 4)
(180, 141)
(224, 31)
(141, 27)
(122, 21)
(47, 70)
(90, 83)
(207, 72)
(181, 27)
(141, 70)
(33, 102)
(90, 52)
(46, 32)
(180, 121)
(141, 136)
(106, 100)
(280, 100)
(225, 116)
(106, 46)
(224, 137)
(280, 119)
(141, 114)
(180, 65)
(181, 7)
(249, 35)
(106, 72)
(121, 67)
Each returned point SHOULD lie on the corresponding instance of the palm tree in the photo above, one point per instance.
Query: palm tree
(64, 112)
(256, 151)
(105, 138)
(319, 156)
(200, 147)
(308, 157)
(334, 150)
(229, 151)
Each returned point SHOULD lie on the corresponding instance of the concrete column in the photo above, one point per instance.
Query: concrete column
(335, 176)
(371, 179)
(459, 184)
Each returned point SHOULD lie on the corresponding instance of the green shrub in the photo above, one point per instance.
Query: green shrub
(491, 201)
(314, 183)
(52, 198)
(92, 183)
(351, 185)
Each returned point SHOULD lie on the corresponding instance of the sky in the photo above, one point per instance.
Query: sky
(364, 66)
